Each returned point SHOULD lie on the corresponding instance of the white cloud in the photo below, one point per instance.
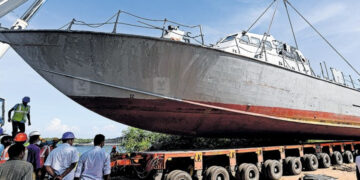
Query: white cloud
(106, 129)
(56, 126)
(327, 12)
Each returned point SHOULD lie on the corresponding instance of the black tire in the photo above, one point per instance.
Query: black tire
(250, 172)
(294, 166)
(355, 154)
(263, 171)
(303, 159)
(182, 175)
(240, 170)
(273, 170)
(172, 173)
(337, 158)
(311, 162)
(209, 170)
(242, 166)
(324, 161)
(219, 173)
(348, 157)
(287, 160)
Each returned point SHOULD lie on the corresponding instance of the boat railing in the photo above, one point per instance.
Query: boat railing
(349, 81)
(338, 77)
(141, 22)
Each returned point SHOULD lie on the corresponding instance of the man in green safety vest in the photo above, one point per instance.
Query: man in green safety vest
(21, 114)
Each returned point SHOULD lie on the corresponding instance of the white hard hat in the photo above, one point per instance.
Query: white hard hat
(34, 133)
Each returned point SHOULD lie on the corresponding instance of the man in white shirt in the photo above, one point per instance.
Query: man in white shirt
(95, 163)
(62, 160)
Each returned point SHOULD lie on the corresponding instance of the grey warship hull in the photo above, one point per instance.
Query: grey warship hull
(179, 88)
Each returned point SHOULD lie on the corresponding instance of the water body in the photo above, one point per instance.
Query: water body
(84, 148)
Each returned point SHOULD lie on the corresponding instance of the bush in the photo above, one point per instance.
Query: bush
(137, 140)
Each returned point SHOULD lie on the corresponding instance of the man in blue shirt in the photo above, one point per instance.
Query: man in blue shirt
(95, 163)
(61, 162)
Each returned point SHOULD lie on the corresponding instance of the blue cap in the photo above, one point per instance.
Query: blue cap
(68, 135)
(1, 131)
(26, 99)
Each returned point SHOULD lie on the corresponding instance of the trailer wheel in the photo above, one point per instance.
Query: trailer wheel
(356, 153)
(273, 169)
(182, 175)
(171, 174)
(141, 173)
(249, 172)
(348, 157)
(324, 161)
(337, 158)
(209, 171)
(287, 160)
(219, 173)
(294, 166)
(311, 162)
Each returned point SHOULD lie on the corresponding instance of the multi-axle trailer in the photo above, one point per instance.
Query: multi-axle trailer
(243, 163)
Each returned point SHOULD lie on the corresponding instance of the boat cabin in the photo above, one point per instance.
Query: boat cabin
(265, 48)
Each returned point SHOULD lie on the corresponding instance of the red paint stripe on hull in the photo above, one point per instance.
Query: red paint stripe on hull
(187, 119)
(305, 115)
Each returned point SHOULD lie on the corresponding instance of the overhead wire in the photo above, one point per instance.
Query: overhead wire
(291, 26)
(264, 38)
(261, 15)
(336, 51)
(273, 16)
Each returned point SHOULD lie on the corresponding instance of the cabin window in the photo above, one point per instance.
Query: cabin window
(268, 45)
(244, 39)
(229, 38)
(255, 41)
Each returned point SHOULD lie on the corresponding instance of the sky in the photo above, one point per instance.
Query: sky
(53, 113)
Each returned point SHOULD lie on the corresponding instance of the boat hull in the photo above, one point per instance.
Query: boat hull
(178, 88)
(191, 119)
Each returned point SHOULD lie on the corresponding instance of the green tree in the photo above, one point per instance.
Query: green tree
(136, 140)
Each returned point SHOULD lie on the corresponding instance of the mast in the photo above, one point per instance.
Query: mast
(7, 6)
(32, 10)
(22, 23)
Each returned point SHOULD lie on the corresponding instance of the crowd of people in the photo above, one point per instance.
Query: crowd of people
(26, 157)
(33, 158)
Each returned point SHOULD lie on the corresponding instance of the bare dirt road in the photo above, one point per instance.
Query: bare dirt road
(343, 172)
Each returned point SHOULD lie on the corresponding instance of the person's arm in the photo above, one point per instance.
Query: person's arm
(75, 159)
(28, 117)
(67, 170)
(107, 168)
(79, 168)
(9, 114)
(37, 159)
(50, 170)
(48, 167)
